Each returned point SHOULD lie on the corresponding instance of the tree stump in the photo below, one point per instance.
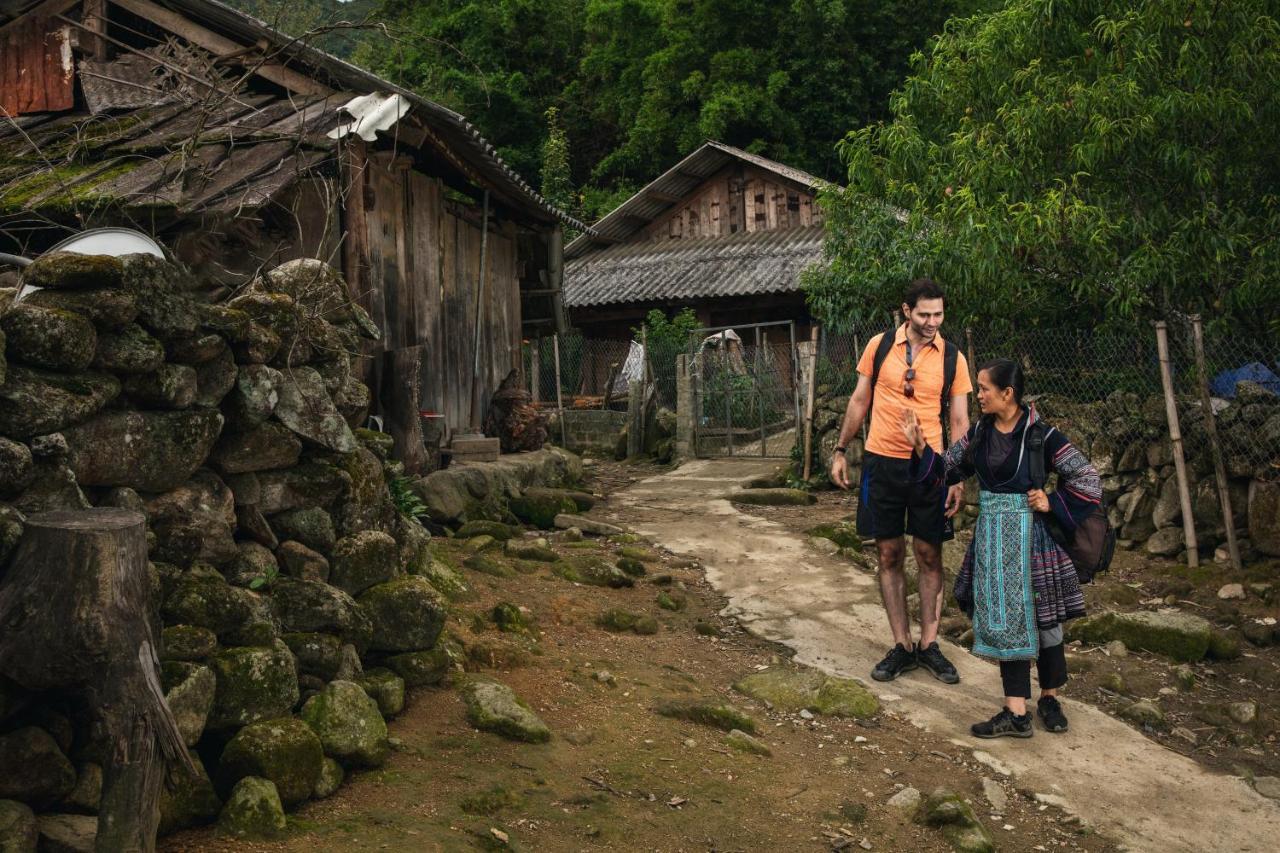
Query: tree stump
(75, 614)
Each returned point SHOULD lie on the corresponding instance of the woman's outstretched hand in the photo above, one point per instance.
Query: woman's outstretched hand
(912, 431)
(1038, 500)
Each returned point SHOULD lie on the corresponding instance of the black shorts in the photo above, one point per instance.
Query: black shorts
(891, 505)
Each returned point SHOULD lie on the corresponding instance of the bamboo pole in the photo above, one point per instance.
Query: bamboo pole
(477, 401)
(808, 406)
(555, 349)
(1215, 449)
(1175, 437)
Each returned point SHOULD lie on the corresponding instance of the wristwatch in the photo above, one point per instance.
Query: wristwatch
(840, 449)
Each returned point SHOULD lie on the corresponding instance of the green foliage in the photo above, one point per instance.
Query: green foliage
(266, 579)
(667, 338)
(321, 23)
(406, 500)
(557, 186)
(1060, 162)
(640, 83)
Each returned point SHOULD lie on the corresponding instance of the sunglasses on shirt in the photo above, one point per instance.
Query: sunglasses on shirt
(908, 390)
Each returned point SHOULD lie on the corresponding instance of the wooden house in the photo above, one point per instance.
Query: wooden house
(724, 232)
(239, 148)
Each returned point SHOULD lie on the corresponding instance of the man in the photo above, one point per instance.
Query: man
(911, 377)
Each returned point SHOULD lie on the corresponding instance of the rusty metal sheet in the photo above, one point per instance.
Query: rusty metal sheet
(36, 72)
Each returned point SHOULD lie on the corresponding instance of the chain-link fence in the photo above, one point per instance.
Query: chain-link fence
(592, 368)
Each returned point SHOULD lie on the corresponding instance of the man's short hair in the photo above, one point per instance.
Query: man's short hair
(923, 288)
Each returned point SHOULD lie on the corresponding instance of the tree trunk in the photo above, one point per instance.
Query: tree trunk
(75, 612)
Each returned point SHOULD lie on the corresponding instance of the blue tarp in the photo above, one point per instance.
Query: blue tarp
(1224, 384)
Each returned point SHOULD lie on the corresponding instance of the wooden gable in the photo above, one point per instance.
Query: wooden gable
(735, 199)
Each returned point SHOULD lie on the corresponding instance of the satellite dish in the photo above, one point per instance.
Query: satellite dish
(102, 241)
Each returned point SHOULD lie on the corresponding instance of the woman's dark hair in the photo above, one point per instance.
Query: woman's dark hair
(1005, 373)
(922, 288)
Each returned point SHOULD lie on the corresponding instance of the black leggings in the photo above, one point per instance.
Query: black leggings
(1051, 670)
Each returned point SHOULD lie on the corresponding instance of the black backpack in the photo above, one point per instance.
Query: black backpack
(950, 358)
(1093, 543)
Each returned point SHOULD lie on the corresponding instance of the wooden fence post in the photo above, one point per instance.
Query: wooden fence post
(808, 406)
(555, 350)
(1215, 449)
(1175, 437)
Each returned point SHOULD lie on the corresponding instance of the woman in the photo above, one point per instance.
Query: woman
(1018, 585)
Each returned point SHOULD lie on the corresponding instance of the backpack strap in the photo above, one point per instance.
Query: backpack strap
(950, 359)
(1035, 454)
(882, 352)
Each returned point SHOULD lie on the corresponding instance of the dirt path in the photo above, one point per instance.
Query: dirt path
(828, 611)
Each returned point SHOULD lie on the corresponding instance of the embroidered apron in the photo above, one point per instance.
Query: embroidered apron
(1004, 613)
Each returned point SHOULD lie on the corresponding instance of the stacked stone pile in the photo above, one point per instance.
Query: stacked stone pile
(1127, 438)
(293, 596)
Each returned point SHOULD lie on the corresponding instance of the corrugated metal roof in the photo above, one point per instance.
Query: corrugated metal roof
(681, 179)
(737, 265)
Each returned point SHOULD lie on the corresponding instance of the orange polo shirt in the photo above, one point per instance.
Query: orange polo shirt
(889, 405)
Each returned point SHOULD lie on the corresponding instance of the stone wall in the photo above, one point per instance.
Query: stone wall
(296, 602)
(590, 431)
(1127, 439)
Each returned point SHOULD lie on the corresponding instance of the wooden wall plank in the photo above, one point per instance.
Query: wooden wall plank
(36, 72)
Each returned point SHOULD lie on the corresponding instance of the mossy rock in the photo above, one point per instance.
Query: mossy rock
(285, 751)
(593, 571)
(772, 497)
(1181, 636)
(948, 812)
(508, 617)
(364, 560)
(481, 543)
(307, 606)
(792, 690)
(642, 555)
(486, 565)
(494, 707)
(72, 271)
(33, 769)
(204, 599)
(106, 308)
(498, 654)
(844, 534)
(668, 601)
(190, 801)
(38, 402)
(381, 444)
(480, 527)
(1223, 646)
(631, 567)
(442, 576)
(744, 742)
(147, 451)
(189, 690)
(170, 386)
(708, 713)
(48, 337)
(254, 683)
(311, 526)
(625, 620)
(317, 654)
(427, 668)
(540, 508)
(537, 550)
(253, 811)
(331, 776)
(844, 697)
(187, 643)
(384, 687)
(349, 724)
(407, 614)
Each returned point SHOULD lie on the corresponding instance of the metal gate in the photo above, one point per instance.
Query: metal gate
(746, 389)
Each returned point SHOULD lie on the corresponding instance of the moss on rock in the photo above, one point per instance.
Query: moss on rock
(187, 643)
(407, 614)
(317, 654)
(253, 811)
(330, 780)
(593, 571)
(50, 338)
(189, 801)
(384, 687)
(306, 606)
(128, 350)
(486, 565)
(1180, 636)
(311, 526)
(844, 534)
(38, 402)
(349, 724)
(494, 707)
(253, 684)
(284, 750)
(72, 271)
(540, 507)
(427, 668)
(189, 690)
(106, 308)
(708, 713)
(363, 560)
(148, 451)
(625, 620)
(480, 527)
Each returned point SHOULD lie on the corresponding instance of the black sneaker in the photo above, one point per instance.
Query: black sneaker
(1050, 711)
(931, 658)
(1004, 724)
(898, 661)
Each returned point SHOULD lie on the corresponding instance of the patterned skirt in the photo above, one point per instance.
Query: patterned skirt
(1017, 577)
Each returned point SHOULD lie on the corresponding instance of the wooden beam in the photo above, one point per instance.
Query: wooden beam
(94, 15)
(221, 46)
(47, 9)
